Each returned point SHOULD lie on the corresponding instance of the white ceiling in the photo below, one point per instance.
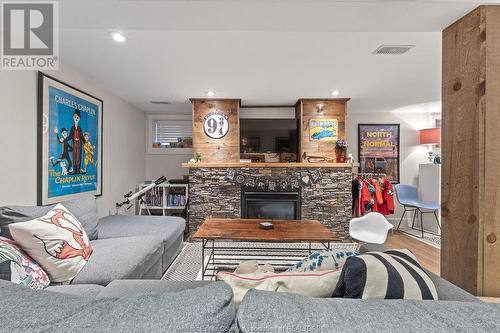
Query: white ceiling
(264, 52)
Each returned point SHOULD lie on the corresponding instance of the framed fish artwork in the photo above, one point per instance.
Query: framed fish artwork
(323, 129)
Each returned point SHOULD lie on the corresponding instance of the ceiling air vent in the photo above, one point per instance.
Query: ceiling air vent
(393, 49)
(161, 102)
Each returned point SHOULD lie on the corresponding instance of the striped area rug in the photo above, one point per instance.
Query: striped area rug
(187, 265)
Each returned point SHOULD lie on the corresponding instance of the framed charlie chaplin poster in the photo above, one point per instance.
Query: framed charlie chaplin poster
(69, 142)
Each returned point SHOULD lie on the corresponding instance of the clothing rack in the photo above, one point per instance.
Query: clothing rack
(370, 193)
(368, 175)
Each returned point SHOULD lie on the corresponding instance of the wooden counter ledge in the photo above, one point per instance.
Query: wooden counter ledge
(269, 165)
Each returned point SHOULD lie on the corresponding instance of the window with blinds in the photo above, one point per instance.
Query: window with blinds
(172, 133)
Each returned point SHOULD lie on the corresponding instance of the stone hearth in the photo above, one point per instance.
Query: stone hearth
(328, 200)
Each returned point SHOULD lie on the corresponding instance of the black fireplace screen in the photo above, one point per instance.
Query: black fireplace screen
(270, 205)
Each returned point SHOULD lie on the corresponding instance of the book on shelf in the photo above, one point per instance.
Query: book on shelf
(176, 200)
(154, 198)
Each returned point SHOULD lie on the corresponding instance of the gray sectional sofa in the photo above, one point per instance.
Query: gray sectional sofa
(125, 247)
(120, 290)
(201, 306)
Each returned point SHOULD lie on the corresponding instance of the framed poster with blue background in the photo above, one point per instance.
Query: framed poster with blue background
(69, 142)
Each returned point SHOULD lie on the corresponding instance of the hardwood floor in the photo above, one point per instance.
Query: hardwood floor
(490, 299)
(427, 255)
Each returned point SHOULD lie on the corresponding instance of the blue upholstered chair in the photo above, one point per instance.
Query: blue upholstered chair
(407, 196)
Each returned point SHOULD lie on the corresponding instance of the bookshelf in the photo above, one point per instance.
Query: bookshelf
(167, 198)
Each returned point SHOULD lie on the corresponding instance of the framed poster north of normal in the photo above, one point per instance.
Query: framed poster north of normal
(378, 147)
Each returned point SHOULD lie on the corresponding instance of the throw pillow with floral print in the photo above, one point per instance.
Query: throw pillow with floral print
(16, 266)
(323, 261)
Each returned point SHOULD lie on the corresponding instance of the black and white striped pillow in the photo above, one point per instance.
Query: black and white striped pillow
(393, 274)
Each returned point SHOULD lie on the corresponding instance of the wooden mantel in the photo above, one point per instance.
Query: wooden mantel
(268, 165)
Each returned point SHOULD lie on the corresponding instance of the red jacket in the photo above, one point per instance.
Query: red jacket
(387, 208)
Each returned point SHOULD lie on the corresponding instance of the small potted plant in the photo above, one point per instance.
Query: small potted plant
(341, 150)
(198, 157)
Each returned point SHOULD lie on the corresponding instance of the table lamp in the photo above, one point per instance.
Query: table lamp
(431, 137)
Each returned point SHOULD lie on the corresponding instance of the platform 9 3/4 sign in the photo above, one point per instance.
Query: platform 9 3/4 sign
(216, 125)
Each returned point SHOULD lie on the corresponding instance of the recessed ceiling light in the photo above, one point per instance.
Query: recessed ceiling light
(335, 92)
(210, 93)
(118, 37)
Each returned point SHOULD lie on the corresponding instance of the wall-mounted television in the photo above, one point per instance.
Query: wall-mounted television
(269, 136)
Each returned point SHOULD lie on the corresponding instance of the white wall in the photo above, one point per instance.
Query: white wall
(165, 162)
(287, 112)
(123, 140)
(166, 165)
(412, 153)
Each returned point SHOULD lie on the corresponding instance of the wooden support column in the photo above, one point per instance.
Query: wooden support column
(470, 251)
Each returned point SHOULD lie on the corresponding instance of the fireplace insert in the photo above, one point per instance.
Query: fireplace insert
(270, 205)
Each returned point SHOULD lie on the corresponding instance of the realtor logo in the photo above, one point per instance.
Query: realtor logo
(30, 35)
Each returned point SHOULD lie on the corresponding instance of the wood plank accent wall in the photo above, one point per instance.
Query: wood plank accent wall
(226, 149)
(470, 254)
(307, 109)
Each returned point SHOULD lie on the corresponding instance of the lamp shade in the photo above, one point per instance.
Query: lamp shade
(430, 136)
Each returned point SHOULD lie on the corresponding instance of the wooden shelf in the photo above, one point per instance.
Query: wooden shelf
(163, 197)
(269, 165)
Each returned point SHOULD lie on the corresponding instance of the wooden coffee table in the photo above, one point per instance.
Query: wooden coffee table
(248, 230)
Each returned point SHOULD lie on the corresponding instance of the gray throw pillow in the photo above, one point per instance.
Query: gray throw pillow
(13, 214)
(84, 209)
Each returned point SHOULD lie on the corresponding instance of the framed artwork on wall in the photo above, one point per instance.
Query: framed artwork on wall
(378, 149)
(69, 142)
(321, 129)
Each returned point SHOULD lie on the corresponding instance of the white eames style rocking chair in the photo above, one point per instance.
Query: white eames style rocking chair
(371, 228)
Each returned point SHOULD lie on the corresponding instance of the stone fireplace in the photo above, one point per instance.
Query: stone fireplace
(327, 199)
(270, 205)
